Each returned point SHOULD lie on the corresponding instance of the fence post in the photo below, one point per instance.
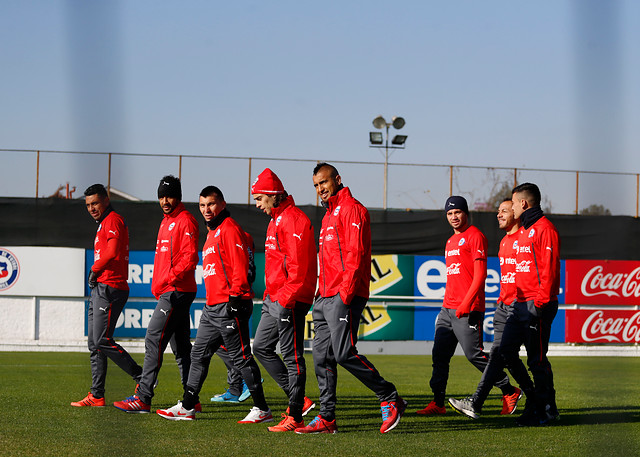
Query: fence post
(37, 173)
(637, 192)
(515, 177)
(249, 184)
(577, 189)
(180, 167)
(109, 176)
(450, 180)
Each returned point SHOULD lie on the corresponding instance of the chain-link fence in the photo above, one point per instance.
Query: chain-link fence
(41, 174)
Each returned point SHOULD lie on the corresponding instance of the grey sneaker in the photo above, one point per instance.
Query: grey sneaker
(466, 407)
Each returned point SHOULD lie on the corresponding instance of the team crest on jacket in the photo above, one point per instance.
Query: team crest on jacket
(515, 245)
(9, 269)
(531, 233)
(336, 211)
(461, 242)
(173, 224)
(278, 220)
(217, 234)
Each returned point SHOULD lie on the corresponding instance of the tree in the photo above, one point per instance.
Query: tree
(595, 210)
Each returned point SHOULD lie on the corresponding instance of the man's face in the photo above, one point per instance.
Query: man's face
(265, 202)
(325, 184)
(506, 218)
(457, 219)
(168, 204)
(519, 204)
(96, 205)
(211, 206)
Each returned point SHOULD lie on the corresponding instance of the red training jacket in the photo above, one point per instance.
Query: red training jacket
(225, 263)
(538, 263)
(507, 255)
(461, 251)
(291, 268)
(176, 256)
(111, 252)
(345, 248)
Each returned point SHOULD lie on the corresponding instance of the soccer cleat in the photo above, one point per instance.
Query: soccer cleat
(227, 397)
(287, 424)
(257, 416)
(466, 407)
(308, 406)
(89, 400)
(318, 425)
(177, 413)
(432, 408)
(392, 412)
(552, 412)
(245, 392)
(510, 402)
(529, 417)
(132, 404)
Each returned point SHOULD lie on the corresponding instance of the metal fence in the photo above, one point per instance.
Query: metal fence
(40, 174)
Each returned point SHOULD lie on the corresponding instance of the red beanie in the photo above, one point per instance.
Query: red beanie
(267, 183)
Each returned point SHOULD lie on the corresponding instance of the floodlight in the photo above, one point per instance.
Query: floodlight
(379, 122)
(375, 137)
(397, 122)
(399, 139)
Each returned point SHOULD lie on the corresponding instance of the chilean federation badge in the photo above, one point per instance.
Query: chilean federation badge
(9, 269)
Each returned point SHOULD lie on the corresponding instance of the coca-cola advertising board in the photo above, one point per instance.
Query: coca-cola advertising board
(602, 326)
(602, 282)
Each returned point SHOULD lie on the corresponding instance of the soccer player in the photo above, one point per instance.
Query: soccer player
(109, 294)
(290, 280)
(462, 314)
(343, 289)
(225, 316)
(505, 335)
(174, 285)
(537, 288)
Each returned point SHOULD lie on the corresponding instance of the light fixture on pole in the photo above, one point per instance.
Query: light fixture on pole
(398, 142)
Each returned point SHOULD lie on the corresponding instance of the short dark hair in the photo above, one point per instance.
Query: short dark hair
(531, 193)
(321, 165)
(96, 189)
(212, 190)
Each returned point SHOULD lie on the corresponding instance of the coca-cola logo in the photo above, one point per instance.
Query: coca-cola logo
(595, 282)
(614, 329)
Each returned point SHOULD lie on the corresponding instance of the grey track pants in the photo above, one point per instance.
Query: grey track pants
(336, 335)
(105, 305)
(286, 326)
(169, 321)
(450, 331)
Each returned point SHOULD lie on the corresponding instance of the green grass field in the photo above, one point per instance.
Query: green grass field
(598, 398)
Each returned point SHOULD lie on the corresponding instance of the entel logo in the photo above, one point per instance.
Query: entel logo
(431, 279)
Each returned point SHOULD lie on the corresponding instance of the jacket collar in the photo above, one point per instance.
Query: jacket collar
(337, 199)
(284, 204)
(175, 212)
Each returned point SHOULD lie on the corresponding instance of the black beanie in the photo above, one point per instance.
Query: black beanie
(456, 202)
(170, 187)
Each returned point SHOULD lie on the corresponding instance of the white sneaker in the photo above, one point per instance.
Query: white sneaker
(256, 416)
(177, 413)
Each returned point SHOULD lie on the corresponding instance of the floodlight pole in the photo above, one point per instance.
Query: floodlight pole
(380, 123)
(386, 167)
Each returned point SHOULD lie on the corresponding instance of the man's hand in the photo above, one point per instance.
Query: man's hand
(462, 311)
(92, 280)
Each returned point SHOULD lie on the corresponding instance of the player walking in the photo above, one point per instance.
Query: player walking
(345, 274)
(461, 317)
(225, 317)
(174, 285)
(109, 294)
(506, 335)
(290, 279)
(537, 288)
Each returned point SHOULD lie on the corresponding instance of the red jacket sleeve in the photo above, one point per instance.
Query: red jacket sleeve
(355, 225)
(184, 250)
(548, 264)
(236, 261)
(294, 238)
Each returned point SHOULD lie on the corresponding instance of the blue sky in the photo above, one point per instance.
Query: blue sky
(548, 84)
